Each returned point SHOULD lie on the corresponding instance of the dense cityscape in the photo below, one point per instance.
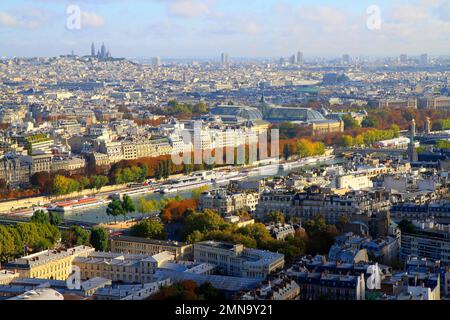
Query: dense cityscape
(290, 178)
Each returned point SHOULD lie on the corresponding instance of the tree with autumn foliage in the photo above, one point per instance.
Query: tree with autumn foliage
(307, 148)
(189, 290)
(176, 210)
(150, 229)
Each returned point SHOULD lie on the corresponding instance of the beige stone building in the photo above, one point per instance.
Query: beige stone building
(227, 203)
(238, 261)
(48, 264)
(126, 268)
(134, 245)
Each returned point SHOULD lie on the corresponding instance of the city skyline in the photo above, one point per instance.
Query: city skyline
(205, 28)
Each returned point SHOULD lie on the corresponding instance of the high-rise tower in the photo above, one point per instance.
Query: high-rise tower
(93, 50)
(346, 59)
(412, 152)
(225, 59)
(300, 58)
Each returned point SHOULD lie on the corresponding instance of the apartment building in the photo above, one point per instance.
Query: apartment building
(411, 211)
(226, 203)
(126, 268)
(238, 261)
(135, 245)
(314, 286)
(48, 264)
(281, 231)
(41, 162)
(278, 288)
(67, 164)
(15, 170)
(314, 202)
(430, 241)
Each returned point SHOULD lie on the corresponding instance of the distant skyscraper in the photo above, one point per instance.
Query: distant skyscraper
(225, 59)
(156, 61)
(403, 59)
(293, 59)
(424, 59)
(93, 50)
(300, 58)
(346, 59)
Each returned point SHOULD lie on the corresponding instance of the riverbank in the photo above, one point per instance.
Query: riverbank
(11, 206)
(98, 215)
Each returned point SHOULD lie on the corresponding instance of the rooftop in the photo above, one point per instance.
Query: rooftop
(47, 256)
(149, 241)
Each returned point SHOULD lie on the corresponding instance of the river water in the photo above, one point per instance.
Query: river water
(98, 215)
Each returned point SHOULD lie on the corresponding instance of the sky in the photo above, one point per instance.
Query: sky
(242, 28)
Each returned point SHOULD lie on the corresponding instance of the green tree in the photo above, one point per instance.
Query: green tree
(257, 231)
(276, 217)
(395, 131)
(48, 232)
(83, 183)
(321, 236)
(128, 175)
(287, 151)
(187, 169)
(200, 108)
(149, 228)
(349, 122)
(40, 216)
(370, 122)
(159, 172)
(442, 144)
(99, 238)
(143, 173)
(115, 209)
(194, 237)
(29, 233)
(166, 169)
(204, 222)
(98, 182)
(63, 185)
(75, 236)
(128, 206)
(147, 207)
(210, 293)
(43, 244)
(55, 218)
(346, 141)
(7, 247)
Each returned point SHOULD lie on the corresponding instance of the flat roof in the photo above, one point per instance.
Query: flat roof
(149, 241)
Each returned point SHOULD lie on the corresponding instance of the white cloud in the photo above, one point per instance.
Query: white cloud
(26, 18)
(410, 28)
(91, 19)
(7, 20)
(189, 8)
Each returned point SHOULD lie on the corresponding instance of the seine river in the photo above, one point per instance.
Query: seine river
(98, 215)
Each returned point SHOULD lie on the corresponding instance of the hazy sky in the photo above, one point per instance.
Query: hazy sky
(204, 28)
